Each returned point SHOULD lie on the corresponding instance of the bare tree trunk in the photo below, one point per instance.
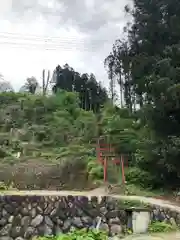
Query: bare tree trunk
(45, 83)
(43, 80)
(121, 89)
(111, 85)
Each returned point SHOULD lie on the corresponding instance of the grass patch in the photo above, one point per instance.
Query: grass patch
(160, 227)
(78, 234)
(132, 189)
(4, 187)
(126, 204)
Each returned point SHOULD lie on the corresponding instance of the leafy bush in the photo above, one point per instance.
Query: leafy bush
(156, 227)
(125, 204)
(139, 177)
(119, 127)
(78, 235)
(4, 187)
(94, 169)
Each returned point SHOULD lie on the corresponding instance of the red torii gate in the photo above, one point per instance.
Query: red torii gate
(104, 152)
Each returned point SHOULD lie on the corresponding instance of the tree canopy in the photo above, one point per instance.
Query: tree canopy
(146, 66)
(92, 95)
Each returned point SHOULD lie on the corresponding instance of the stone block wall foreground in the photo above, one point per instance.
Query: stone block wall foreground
(22, 217)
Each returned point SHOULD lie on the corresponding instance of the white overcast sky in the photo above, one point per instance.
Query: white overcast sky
(79, 32)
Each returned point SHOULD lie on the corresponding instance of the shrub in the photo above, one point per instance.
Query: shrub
(78, 235)
(4, 187)
(139, 177)
(156, 227)
(94, 169)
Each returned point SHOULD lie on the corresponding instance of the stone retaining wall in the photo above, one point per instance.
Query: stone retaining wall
(22, 217)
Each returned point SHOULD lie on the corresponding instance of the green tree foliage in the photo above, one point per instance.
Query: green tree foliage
(146, 127)
(33, 124)
(56, 129)
(30, 85)
(92, 95)
(120, 128)
(146, 66)
(78, 234)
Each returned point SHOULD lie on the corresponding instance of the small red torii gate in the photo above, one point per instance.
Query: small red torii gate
(104, 153)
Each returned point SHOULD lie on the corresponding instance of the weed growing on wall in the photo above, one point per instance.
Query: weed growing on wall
(82, 234)
(157, 227)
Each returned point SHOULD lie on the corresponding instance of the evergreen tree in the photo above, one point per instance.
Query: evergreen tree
(92, 95)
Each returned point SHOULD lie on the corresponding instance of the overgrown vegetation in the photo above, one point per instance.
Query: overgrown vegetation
(126, 204)
(48, 127)
(63, 128)
(78, 235)
(146, 66)
(159, 227)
